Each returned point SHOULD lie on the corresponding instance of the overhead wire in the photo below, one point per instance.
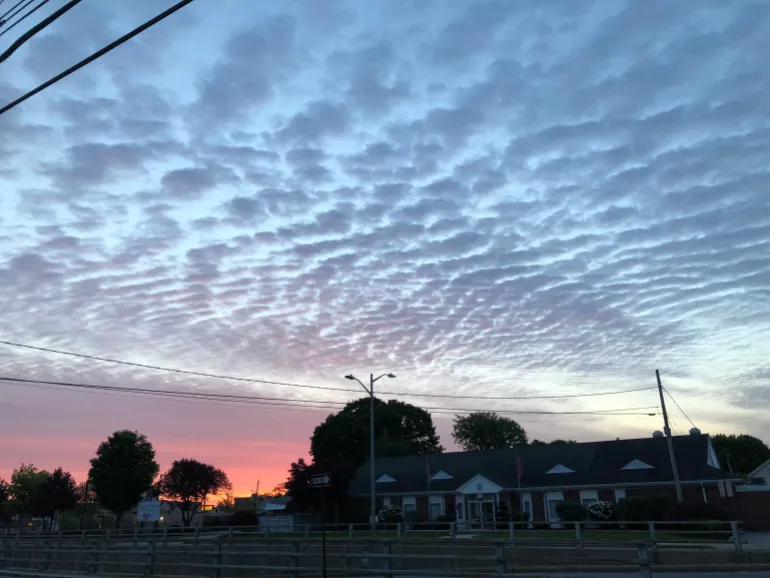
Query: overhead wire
(27, 15)
(11, 9)
(307, 386)
(262, 400)
(96, 55)
(680, 408)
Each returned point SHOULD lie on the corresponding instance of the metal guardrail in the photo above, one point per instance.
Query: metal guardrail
(300, 559)
(656, 533)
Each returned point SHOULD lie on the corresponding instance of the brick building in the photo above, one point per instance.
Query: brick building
(470, 486)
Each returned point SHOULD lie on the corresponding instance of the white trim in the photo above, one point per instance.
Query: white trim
(441, 475)
(560, 469)
(552, 497)
(711, 456)
(384, 479)
(756, 471)
(471, 486)
(589, 495)
(636, 464)
(441, 501)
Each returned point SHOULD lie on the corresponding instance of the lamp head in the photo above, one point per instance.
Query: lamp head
(349, 377)
(390, 375)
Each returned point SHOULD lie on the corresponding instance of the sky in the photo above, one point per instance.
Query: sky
(487, 198)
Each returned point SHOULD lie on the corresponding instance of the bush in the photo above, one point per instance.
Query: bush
(601, 511)
(571, 512)
(390, 515)
(503, 513)
(244, 518)
(696, 512)
(414, 517)
(643, 509)
(69, 521)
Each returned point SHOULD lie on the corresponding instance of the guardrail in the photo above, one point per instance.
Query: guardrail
(389, 559)
(656, 533)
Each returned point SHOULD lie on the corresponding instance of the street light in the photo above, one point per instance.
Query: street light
(370, 391)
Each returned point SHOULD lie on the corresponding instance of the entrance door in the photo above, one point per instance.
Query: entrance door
(474, 513)
(526, 502)
(488, 514)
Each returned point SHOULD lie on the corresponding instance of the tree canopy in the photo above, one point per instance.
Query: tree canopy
(189, 482)
(399, 429)
(57, 493)
(123, 469)
(555, 442)
(25, 485)
(743, 453)
(5, 496)
(486, 430)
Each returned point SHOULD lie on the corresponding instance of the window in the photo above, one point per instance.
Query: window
(588, 497)
(435, 507)
(757, 481)
(409, 505)
(553, 515)
(619, 494)
(386, 502)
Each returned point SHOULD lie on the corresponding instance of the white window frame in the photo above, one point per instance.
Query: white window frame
(549, 497)
(409, 501)
(441, 503)
(588, 495)
(386, 502)
(620, 493)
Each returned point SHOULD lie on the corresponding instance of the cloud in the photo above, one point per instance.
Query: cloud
(491, 198)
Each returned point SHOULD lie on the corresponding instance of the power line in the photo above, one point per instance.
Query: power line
(680, 408)
(11, 9)
(300, 385)
(261, 400)
(27, 15)
(98, 54)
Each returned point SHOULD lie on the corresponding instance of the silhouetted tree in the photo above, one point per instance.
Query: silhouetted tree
(123, 469)
(486, 430)
(189, 482)
(56, 494)
(743, 453)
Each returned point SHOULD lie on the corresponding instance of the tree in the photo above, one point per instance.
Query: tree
(306, 499)
(742, 453)
(556, 442)
(227, 503)
(56, 494)
(25, 483)
(5, 497)
(189, 482)
(399, 429)
(123, 469)
(486, 430)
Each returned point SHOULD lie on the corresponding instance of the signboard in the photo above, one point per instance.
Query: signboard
(148, 511)
(320, 480)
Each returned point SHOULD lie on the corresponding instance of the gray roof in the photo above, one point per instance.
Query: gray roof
(593, 463)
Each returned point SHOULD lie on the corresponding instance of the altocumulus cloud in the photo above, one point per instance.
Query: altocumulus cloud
(482, 196)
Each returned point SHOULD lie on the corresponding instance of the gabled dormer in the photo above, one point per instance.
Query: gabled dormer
(637, 465)
(560, 469)
(384, 478)
(441, 475)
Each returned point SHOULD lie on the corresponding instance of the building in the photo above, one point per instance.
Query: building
(760, 476)
(470, 486)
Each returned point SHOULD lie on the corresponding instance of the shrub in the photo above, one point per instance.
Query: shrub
(69, 521)
(414, 517)
(696, 512)
(390, 515)
(244, 518)
(601, 511)
(503, 513)
(571, 512)
(643, 509)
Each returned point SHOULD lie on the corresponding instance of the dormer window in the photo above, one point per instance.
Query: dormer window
(637, 465)
(560, 469)
(384, 478)
(441, 475)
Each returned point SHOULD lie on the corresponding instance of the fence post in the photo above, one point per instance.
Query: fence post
(150, 570)
(230, 533)
(736, 536)
(293, 559)
(197, 533)
(500, 554)
(511, 530)
(577, 531)
(82, 537)
(389, 562)
(165, 535)
(307, 531)
(350, 531)
(136, 534)
(651, 526)
(644, 561)
(453, 529)
(399, 527)
(95, 559)
(108, 537)
(218, 561)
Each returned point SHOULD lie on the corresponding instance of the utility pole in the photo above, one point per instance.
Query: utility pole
(670, 441)
(372, 489)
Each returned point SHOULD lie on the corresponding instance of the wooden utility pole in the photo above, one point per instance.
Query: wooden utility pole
(670, 441)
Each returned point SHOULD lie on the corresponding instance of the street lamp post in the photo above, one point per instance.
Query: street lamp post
(370, 391)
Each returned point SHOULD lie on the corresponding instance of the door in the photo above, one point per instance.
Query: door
(488, 514)
(526, 504)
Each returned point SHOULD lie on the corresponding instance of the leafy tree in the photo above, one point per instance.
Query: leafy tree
(486, 430)
(399, 429)
(56, 494)
(306, 499)
(5, 497)
(25, 483)
(742, 453)
(556, 442)
(189, 482)
(123, 469)
(227, 503)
